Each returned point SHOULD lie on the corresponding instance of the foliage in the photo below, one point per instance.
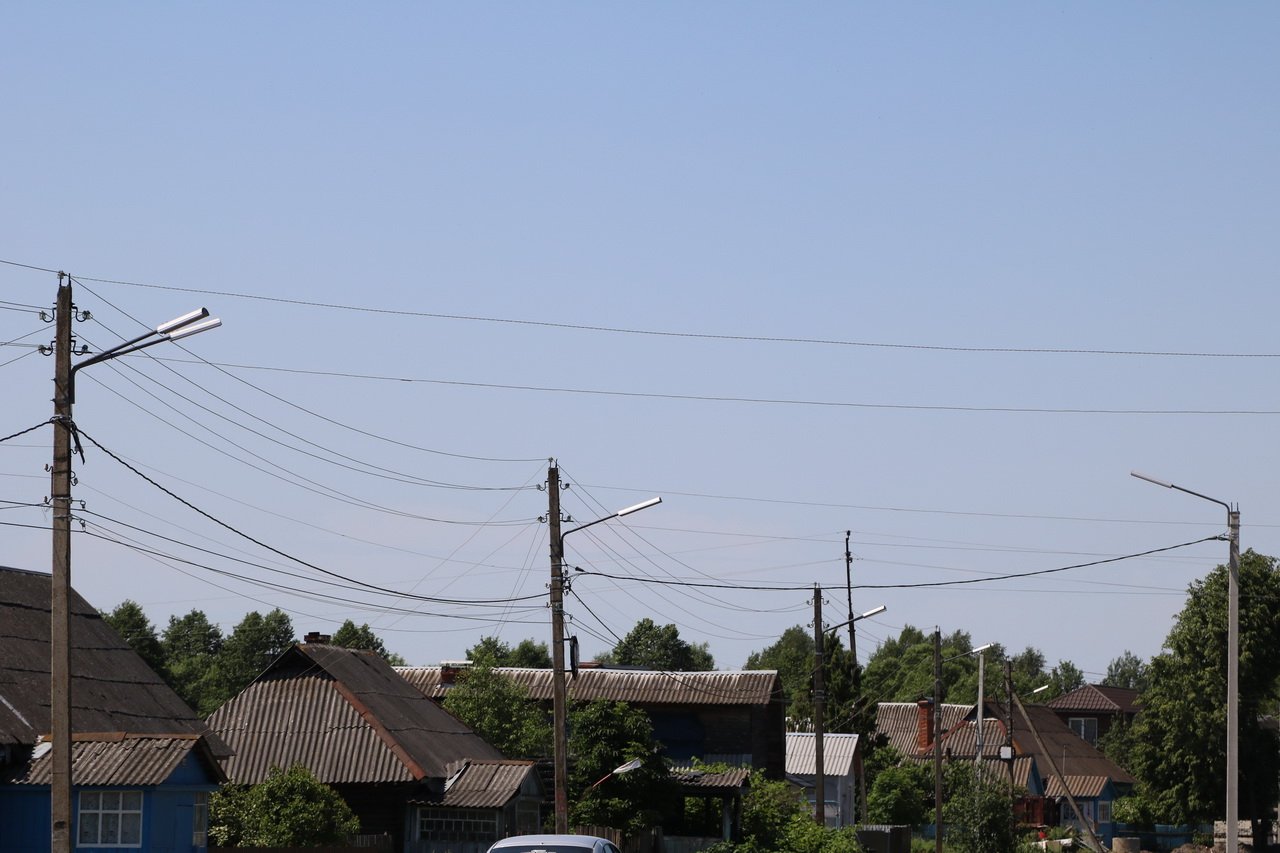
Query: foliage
(494, 652)
(977, 811)
(191, 644)
(1118, 744)
(776, 818)
(1179, 750)
(134, 628)
(290, 809)
(1127, 670)
(651, 646)
(602, 737)
(902, 795)
(498, 709)
(1134, 809)
(363, 638)
(804, 835)
(792, 657)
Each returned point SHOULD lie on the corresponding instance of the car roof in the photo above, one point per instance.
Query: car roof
(587, 841)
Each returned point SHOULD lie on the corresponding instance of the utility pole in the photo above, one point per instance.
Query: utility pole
(59, 606)
(819, 701)
(1233, 680)
(848, 587)
(558, 700)
(1008, 726)
(937, 739)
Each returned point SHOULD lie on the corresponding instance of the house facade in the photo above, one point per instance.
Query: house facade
(733, 717)
(1092, 709)
(842, 773)
(408, 768)
(142, 763)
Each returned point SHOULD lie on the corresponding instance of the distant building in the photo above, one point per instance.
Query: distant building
(1092, 709)
(842, 773)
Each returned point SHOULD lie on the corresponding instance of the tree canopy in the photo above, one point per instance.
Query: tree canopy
(350, 637)
(290, 809)
(498, 709)
(651, 646)
(1127, 670)
(1179, 748)
(135, 629)
(604, 736)
(492, 651)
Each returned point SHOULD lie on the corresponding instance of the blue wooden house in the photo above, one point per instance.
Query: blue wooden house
(142, 763)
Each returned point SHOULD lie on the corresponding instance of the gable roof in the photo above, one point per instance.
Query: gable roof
(899, 722)
(1097, 697)
(347, 716)
(119, 759)
(484, 784)
(640, 687)
(838, 753)
(112, 688)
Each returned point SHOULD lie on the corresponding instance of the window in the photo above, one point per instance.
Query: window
(1085, 727)
(200, 820)
(1104, 811)
(110, 819)
(442, 824)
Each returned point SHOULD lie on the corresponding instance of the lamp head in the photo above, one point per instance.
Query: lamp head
(638, 507)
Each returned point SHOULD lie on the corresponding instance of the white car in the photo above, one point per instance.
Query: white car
(554, 844)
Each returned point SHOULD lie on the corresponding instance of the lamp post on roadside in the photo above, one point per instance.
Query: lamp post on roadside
(937, 728)
(60, 500)
(820, 699)
(1233, 657)
(559, 713)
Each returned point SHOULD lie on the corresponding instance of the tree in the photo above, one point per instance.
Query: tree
(1128, 670)
(134, 628)
(290, 809)
(498, 709)
(191, 644)
(363, 638)
(652, 647)
(492, 651)
(977, 810)
(251, 647)
(1063, 678)
(901, 794)
(1179, 750)
(604, 736)
(792, 657)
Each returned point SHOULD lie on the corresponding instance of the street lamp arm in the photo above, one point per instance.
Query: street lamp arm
(182, 327)
(1150, 479)
(872, 612)
(618, 514)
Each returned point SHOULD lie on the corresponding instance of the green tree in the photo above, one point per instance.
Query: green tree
(251, 647)
(1063, 678)
(191, 644)
(363, 638)
(651, 646)
(494, 652)
(977, 811)
(901, 794)
(604, 736)
(290, 809)
(792, 657)
(768, 809)
(1127, 670)
(1180, 736)
(131, 623)
(498, 709)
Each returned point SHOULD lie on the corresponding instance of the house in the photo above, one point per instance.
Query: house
(408, 768)
(142, 763)
(1092, 709)
(1093, 780)
(734, 717)
(842, 773)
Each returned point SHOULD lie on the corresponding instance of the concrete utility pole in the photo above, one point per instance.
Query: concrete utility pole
(848, 586)
(937, 739)
(59, 606)
(819, 701)
(559, 716)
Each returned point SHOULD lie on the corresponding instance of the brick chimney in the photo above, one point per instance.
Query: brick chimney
(924, 724)
(316, 637)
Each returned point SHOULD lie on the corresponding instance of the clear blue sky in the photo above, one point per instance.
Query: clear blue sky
(436, 229)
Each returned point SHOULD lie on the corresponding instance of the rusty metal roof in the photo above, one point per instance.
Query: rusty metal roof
(485, 784)
(1084, 787)
(112, 689)
(900, 722)
(119, 759)
(702, 781)
(639, 687)
(838, 753)
(347, 716)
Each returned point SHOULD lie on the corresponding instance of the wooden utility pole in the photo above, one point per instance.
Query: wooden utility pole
(558, 699)
(59, 606)
(819, 702)
(937, 739)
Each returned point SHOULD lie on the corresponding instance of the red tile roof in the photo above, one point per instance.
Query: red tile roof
(1096, 697)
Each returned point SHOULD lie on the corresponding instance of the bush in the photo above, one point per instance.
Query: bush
(290, 809)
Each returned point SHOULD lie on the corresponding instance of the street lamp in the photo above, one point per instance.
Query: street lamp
(1233, 656)
(937, 727)
(60, 499)
(560, 743)
(820, 700)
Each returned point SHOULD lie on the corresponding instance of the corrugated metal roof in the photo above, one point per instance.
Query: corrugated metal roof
(347, 716)
(119, 759)
(838, 752)
(641, 687)
(1097, 697)
(900, 721)
(484, 784)
(726, 781)
(112, 688)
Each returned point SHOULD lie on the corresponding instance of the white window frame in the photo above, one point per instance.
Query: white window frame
(103, 804)
(1081, 726)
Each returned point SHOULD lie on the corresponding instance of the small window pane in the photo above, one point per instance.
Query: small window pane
(110, 828)
(88, 828)
(130, 828)
(111, 801)
(90, 800)
(131, 801)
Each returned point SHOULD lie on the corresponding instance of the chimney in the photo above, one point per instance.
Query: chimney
(316, 637)
(924, 724)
